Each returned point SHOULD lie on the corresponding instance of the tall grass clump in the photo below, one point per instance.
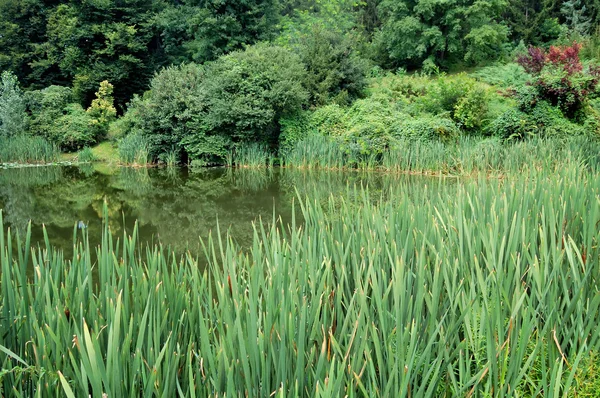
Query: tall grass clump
(27, 149)
(316, 151)
(134, 149)
(86, 155)
(416, 156)
(252, 155)
(482, 288)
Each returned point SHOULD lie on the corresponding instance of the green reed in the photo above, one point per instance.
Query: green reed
(251, 155)
(134, 149)
(27, 149)
(465, 156)
(478, 288)
(316, 151)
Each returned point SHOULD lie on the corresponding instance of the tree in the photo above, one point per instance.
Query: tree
(533, 21)
(102, 111)
(13, 116)
(221, 26)
(576, 16)
(334, 69)
(22, 28)
(444, 31)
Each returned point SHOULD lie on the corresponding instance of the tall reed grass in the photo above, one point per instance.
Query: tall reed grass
(27, 149)
(468, 155)
(483, 288)
(316, 151)
(253, 155)
(134, 149)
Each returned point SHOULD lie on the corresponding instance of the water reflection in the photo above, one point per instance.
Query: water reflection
(172, 206)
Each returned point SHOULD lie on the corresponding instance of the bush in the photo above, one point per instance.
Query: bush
(367, 130)
(294, 128)
(512, 124)
(459, 97)
(426, 127)
(13, 117)
(72, 130)
(47, 106)
(505, 76)
(55, 116)
(329, 120)
(169, 111)
(202, 112)
(560, 78)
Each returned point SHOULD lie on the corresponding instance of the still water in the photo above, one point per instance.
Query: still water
(175, 207)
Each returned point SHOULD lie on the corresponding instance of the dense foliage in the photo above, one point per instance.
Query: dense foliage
(203, 112)
(200, 80)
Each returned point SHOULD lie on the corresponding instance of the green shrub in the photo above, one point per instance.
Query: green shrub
(512, 124)
(55, 116)
(72, 130)
(509, 75)
(201, 112)
(329, 120)
(294, 128)
(458, 97)
(426, 127)
(13, 117)
(170, 111)
(47, 106)
(367, 128)
(471, 110)
(120, 127)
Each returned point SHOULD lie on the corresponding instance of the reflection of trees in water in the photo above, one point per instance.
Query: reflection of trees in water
(176, 206)
(184, 208)
(17, 199)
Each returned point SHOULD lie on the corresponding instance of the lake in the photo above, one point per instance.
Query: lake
(172, 206)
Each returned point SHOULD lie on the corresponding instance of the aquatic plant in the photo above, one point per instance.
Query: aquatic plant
(27, 149)
(480, 288)
(253, 155)
(86, 155)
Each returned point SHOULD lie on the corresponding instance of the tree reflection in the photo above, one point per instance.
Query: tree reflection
(172, 206)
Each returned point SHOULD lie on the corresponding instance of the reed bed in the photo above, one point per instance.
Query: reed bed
(134, 149)
(27, 149)
(482, 288)
(251, 155)
(465, 156)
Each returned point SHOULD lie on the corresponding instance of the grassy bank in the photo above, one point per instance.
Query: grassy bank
(472, 291)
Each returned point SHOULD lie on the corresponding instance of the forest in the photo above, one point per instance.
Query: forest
(217, 82)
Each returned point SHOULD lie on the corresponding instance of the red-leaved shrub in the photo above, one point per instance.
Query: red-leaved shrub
(560, 77)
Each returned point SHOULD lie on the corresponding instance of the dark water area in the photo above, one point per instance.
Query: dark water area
(174, 207)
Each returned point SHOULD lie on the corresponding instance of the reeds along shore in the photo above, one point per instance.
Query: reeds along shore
(485, 287)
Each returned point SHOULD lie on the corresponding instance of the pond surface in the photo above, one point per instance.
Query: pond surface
(172, 206)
